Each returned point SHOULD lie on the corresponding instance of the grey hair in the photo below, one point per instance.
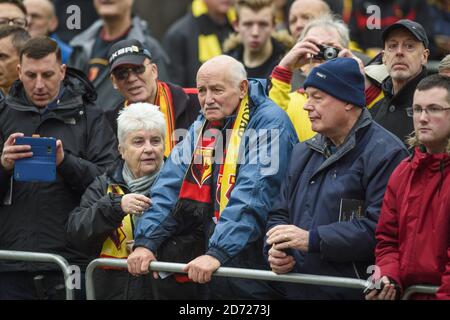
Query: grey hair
(444, 64)
(331, 22)
(238, 72)
(140, 116)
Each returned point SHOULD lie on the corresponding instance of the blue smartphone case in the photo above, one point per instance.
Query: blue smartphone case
(42, 165)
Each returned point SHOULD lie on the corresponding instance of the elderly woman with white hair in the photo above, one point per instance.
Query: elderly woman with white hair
(103, 224)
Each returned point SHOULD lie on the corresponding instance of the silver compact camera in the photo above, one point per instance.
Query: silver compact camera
(326, 53)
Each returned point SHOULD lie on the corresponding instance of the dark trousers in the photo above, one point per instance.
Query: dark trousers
(43, 285)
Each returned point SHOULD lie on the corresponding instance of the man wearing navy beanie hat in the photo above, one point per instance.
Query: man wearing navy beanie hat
(324, 220)
(340, 78)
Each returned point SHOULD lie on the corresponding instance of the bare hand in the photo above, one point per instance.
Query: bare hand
(139, 261)
(346, 53)
(135, 203)
(12, 152)
(288, 236)
(301, 53)
(59, 152)
(201, 268)
(387, 293)
(279, 261)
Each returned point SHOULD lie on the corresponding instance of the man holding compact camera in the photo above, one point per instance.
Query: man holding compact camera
(50, 100)
(323, 39)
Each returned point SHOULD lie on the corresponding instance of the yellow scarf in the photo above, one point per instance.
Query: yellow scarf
(115, 245)
(228, 178)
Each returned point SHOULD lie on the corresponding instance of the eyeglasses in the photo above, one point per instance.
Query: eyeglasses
(123, 73)
(15, 21)
(432, 110)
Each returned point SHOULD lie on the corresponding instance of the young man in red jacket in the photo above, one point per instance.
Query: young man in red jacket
(413, 231)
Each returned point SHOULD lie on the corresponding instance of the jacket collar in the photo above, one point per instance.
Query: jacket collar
(432, 162)
(76, 90)
(405, 94)
(87, 38)
(321, 144)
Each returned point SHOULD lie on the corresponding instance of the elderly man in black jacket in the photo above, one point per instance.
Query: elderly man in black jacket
(51, 101)
(405, 55)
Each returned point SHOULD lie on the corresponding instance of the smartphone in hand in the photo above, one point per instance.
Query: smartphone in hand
(42, 165)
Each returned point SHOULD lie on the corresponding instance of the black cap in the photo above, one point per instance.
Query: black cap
(127, 52)
(415, 28)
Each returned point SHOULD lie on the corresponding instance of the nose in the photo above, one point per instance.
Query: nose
(131, 76)
(39, 82)
(423, 117)
(308, 106)
(209, 97)
(148, 147)
(255, 30)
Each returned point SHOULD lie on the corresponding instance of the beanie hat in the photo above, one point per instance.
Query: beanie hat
(340, 78)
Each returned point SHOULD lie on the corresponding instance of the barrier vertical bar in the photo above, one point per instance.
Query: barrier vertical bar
(41, 257)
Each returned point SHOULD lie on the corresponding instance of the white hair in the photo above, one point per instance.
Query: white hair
(235, 69)
(140, 116)
(330, 22)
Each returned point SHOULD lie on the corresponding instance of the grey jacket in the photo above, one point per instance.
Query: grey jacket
(82, 45)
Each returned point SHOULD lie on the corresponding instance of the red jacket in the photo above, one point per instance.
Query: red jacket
(413, 232)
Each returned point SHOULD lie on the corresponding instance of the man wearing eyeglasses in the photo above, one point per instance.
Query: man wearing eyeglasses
(135, 76)
(12, 40)
(42, 21)
(413, 231)
(13, 12)
(405, 54)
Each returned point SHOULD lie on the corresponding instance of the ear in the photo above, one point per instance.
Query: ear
(113, 80)
(53, 24)
(425, 55)
(383, 57)
(235, 25)
(243, 88)
(349, 107)
(63, 69)
(19, 71)
(155, 71)
(121, 151)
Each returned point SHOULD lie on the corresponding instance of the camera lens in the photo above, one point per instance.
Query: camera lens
(330, 53)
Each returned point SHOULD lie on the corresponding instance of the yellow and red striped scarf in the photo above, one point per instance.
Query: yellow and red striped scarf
(195, 195)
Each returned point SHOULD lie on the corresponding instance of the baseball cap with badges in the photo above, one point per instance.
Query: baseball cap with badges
(127, 52)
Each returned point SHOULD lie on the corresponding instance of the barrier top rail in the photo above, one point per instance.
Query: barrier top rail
(41, 257)
(419, 289)
(226, 272)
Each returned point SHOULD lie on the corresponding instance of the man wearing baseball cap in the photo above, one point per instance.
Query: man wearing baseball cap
(135, 76)
(325, 217)
(405, 54)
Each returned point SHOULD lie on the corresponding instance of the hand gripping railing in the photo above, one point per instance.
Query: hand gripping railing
(419, 289)
(41, 257)
(226, 272)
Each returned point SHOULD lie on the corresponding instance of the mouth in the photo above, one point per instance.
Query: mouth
(40, 96)
(211, 109)
(134, 90)
(399, 65)
(254, 44)
(148, 160)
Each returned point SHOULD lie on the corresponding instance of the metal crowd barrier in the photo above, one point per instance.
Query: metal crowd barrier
(226, 272)
(41, 257)
(419, 289)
